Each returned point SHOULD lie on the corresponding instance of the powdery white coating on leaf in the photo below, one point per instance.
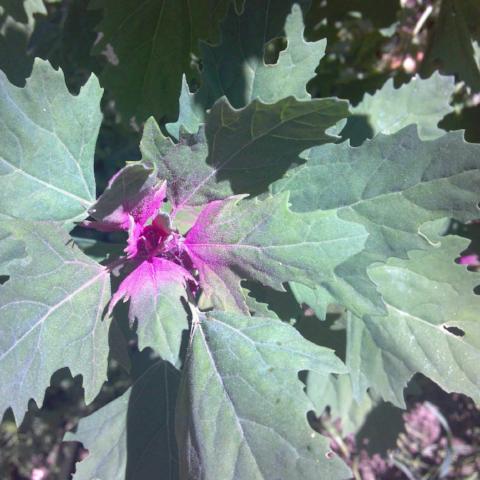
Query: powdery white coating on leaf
(183, 166)
(132, 193)
(392, 185)
(248, 148)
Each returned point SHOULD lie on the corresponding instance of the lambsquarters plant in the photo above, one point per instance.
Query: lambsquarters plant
(250, 184)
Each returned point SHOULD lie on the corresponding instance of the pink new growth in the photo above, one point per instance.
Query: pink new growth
(471, 260)
(149, 237)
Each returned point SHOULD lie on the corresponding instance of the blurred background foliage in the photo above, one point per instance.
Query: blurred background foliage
(369, 42)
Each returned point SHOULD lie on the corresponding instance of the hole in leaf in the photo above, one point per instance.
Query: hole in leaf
(458, 332)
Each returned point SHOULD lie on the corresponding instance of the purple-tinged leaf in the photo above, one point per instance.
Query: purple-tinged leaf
(183, 166)
(155, 289)
(133, 193)
(264, 241)
(145, 282)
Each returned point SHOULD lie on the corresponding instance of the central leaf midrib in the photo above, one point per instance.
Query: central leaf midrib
(228, 398)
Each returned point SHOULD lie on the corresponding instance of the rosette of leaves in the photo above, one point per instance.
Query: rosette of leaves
(230, 199)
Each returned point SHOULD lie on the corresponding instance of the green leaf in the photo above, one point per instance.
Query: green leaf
(11, 252)
(451, 41)
(421, 102)
(391, 185)
(265, 242)
(236, 68)
(240, 401)
(425, 295)
(17, 22)
(191, 115)
(154, 41)
(254, 146)
(132, 436)
(46, 156)
(51, 316)
(335, 392)
(183, 166)
(248, 148)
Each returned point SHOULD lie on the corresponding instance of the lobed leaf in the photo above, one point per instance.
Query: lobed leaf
(46, 156)
(391, 185)
(51, 316)
(236, 68)
(239, 381)
(423, 102)
(153, 42)
(264, 241)
(247, 148)
(430, 326)
(156, 291)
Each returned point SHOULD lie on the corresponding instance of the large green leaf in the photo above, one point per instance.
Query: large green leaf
(423, 102)
(241, 412)
(248, 148)
(51, 316)
(153, 41)
(132, 437)
(46, 155)
(236, 68)
(391, 185)
(431, 326)
(266, 242)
